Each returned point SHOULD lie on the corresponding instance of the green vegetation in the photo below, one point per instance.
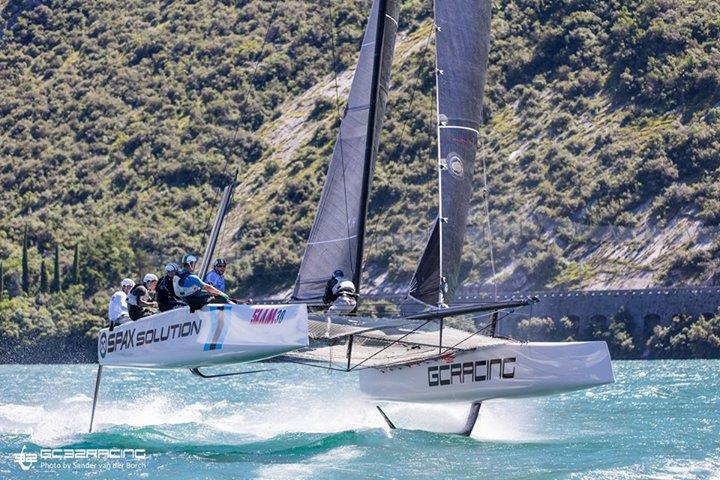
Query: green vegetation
(119, 122)
(683, 337)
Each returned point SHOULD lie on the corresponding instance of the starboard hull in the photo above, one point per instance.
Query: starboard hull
(215, 335)
(499, 371)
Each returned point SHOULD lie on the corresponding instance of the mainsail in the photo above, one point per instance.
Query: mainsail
(337, 235)
(462, 36)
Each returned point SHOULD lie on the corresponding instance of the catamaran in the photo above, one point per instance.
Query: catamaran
(413, 357)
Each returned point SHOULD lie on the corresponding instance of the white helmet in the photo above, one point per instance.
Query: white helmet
(171, 267)
(127, 282)
(149, 277)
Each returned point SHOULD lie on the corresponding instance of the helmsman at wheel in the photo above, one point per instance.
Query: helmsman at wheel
(192, 290)
(340, 294)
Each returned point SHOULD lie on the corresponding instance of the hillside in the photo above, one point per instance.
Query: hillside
(120, 121)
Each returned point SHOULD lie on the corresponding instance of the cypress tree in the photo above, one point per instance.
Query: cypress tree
(2, 281)
(25, 267)
(56, 271)
(43, 277)
(76, 265)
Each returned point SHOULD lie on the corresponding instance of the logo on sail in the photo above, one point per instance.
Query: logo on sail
(455, 165)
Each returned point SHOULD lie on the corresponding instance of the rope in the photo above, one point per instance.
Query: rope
(331, 12)
(390, 345)
(485, 328)
(488, 229)
(245, 96)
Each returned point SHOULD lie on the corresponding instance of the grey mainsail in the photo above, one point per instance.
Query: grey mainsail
(462, 37)
(337, 235)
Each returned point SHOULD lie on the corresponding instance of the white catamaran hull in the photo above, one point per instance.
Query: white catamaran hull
(217, 334)
(497, 371)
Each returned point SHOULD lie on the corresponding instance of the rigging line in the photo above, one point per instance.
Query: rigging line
(334, 57)
(413, 94)
(486, 327)
(390, 345)
(245, 96)
(441, 285)
(331, 12)
(488, 229)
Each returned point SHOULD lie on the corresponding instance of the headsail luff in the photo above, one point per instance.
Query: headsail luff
(337, 235)
(462, 38)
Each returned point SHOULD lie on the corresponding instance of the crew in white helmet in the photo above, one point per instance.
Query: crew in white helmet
(141, 299)
(340, 294)
(165, 292)
(118, 308)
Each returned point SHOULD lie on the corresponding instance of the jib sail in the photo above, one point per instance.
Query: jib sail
(337, 235)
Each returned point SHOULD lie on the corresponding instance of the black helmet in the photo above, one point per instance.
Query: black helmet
(220, 262)
(338, 273)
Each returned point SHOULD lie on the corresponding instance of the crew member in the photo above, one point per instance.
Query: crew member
(118, 308)
(215, 277)
(192, 290)
(340, 294)
(166, 298)
(141, 299)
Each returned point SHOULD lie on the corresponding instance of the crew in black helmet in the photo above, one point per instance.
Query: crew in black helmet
(192, 290)
(215, 277)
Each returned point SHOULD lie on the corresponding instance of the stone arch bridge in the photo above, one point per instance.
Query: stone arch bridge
(645, 308)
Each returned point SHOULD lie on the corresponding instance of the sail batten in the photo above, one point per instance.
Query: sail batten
(462, 35)
(337, 235)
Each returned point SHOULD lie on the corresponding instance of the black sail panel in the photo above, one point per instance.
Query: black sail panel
(462, 40)
(336, 238)
(426, 281)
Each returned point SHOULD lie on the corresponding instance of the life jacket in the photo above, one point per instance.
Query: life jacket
(180, 286)
(135, 311)
(344, 287)
(132, 296)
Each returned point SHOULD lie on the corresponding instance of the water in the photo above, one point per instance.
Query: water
(659, 420)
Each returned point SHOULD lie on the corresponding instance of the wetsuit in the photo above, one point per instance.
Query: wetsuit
(166, 298)
(140, 301)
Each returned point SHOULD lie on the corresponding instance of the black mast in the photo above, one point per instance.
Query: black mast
(371, 146)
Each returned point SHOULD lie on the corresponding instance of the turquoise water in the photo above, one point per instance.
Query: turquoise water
(659, 420)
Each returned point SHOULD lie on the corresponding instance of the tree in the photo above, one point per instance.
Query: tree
(76, 265)
(43, 277)
(56, 270)
(25, 266)
(2, 281)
